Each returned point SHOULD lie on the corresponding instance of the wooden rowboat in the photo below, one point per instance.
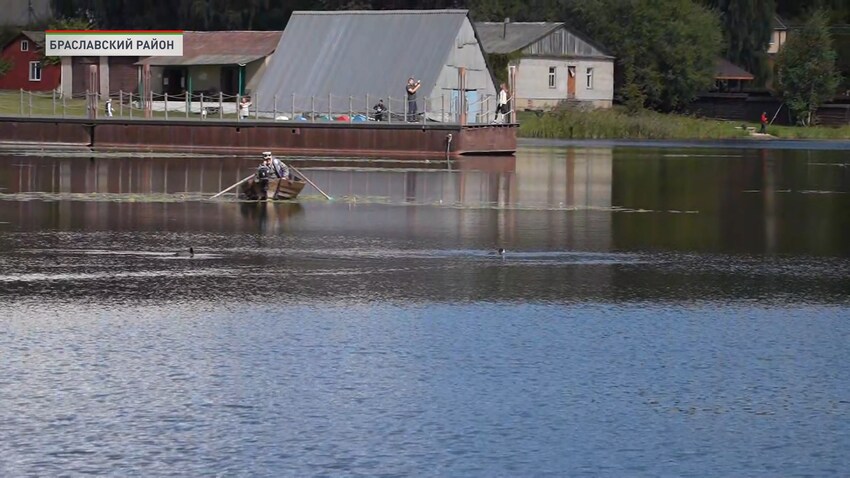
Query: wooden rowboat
(281, 189)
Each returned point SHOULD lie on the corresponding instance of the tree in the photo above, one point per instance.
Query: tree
(806, 68)
(747, 27)
(668, 47)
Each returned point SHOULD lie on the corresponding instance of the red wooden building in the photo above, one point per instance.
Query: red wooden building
(26, 52)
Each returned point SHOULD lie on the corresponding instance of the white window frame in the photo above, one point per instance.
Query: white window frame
(588, 82)
(25, 45)
(553, 78)
(38, 70)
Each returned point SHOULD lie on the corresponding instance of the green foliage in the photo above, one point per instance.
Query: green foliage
(632, 96)
(747, 28)
(670, 46)
(6, 65)
(571, 123)
(806, 68)
(618, 124)
(499, 65)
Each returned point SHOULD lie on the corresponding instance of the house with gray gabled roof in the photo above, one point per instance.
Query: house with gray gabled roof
(551, 63)
(336, 62)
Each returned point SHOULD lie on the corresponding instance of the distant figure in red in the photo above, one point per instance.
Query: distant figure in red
(763, 122)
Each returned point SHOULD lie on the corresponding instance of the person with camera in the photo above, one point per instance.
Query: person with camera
(412, 87)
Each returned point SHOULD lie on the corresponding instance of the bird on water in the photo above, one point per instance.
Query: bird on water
(501, 251)
(189, 253)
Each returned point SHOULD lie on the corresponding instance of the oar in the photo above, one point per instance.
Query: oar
(231, 187)
(311, 182)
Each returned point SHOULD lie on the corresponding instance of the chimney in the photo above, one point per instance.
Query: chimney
(505, 27)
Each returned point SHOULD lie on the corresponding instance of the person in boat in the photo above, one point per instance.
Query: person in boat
(263, 174)
(277, 167)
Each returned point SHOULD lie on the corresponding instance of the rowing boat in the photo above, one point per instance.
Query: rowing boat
(276, 188)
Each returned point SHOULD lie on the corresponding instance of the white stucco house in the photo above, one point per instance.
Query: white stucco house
(552, 64)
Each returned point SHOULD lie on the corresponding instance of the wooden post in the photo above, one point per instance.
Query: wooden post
(350, 108)
(30, 101)
(121, 103)
(389, 109)
(220, 105)
(131, 105)
(147, 96)
(274, 107)
(53, 100)
(256, 108)
(443, 108)
(312, 109)
(202, 105)
(166, 105)
(330, 110)
(293, 106)
(238, 107)
(512, 89)
(22, 101)
(462, 94)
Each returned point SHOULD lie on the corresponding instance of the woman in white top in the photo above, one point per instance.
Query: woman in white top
(243, 107)
(502, 107)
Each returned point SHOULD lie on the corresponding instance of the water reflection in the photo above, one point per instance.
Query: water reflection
(625, 198)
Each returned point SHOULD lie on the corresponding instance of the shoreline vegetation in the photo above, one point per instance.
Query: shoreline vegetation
(615, 123)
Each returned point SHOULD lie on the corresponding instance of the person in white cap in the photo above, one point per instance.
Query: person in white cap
(279, 168)
(109, 107)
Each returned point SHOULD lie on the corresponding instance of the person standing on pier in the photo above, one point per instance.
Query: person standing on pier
(108, 107)
(502, 106)
(412, 87)
(763, 122)
(244, 104)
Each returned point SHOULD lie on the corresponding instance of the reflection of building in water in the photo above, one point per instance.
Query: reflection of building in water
(580, 179)
(139, 175)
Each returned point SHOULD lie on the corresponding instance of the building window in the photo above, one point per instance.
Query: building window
(25, 45)
(35, 71)
(590, 78)
(551, 77)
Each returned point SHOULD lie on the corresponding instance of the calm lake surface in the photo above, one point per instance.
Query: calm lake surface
(662, 310)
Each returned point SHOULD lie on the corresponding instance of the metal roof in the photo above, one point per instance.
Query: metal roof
(200, 60)
(726, 70)
(503, 38)
(220, 48)
(778, 23)
(508, 37)
(353, 53)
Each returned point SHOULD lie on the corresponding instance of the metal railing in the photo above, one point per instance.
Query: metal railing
(447, 108)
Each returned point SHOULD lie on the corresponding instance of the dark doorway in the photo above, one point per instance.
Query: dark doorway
(229, 80)
(173, 81)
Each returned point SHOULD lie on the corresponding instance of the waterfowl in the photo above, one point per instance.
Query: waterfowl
(189, 253)
(501, 251)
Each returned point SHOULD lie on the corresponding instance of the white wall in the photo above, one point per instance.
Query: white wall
(465, 52)
(532, 88)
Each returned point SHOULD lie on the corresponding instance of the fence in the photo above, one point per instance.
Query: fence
(447, 108)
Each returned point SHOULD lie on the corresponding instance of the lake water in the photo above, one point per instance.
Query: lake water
(662, 310)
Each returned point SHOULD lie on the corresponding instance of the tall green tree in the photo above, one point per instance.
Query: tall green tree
(806, 70)
(668, 47)
(747, 27)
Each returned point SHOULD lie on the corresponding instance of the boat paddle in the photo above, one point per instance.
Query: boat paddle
(231, 187)
(310, 182)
